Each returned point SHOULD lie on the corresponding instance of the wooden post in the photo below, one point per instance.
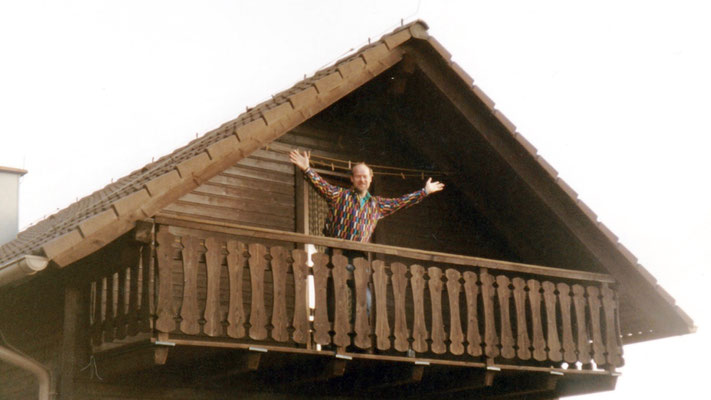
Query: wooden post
(507, 340)
(456, 336)
(74, 338)
(301, 297)
(235, 266)
(399, 293)
(419, 330)
(472, 294)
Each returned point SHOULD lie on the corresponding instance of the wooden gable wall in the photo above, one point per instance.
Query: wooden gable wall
(261, 189)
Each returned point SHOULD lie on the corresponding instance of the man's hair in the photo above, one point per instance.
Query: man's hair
(363, 164)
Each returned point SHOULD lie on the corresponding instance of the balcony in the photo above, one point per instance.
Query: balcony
(235, 302)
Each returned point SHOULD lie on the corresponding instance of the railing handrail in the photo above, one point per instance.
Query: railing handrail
(423, 255)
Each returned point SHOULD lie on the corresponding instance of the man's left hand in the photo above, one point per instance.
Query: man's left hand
(432, 187)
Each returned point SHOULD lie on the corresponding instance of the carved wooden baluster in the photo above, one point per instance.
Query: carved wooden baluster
(456, 336)
(419, 330)
(321, 323)
(614, 348)
(341, 323)
(258, 313)
(472, 293)
(399, 292)
(437, 330)
(554, 353)
(164, 257)
(568, 344)
(100, 295)
(597, 344)
(382, 327)
(507, 340)
(362, 323)
(522, 341)
(236, 260)
(301, 305)
(147, 308)
(280, 320)
(581, 324)
(134, 269)
(213, 314)
(189, 310)
(539, 342)
(110, 317)
(491, 339)
(121, 318)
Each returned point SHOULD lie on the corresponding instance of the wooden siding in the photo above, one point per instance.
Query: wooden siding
(443, 222)
(257, 191)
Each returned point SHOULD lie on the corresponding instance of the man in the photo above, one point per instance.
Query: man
(354, 213)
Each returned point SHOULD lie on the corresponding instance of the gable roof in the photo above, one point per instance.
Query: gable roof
(95, 220)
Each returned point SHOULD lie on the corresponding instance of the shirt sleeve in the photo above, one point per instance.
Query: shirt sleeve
(330, 192)
(388, 206)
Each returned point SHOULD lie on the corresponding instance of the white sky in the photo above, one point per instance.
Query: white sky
(614, 94)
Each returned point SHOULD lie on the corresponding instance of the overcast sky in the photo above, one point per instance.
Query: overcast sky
(614, 94)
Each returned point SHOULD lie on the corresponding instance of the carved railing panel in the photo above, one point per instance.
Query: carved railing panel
(121, 292)
(251, 285)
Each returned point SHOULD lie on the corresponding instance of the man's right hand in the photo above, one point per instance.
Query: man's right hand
(301, 160)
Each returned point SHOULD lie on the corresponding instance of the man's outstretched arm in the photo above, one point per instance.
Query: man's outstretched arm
(389, 206)
(301, 160)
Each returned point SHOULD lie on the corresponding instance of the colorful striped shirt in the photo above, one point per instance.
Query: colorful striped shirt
(350, 219)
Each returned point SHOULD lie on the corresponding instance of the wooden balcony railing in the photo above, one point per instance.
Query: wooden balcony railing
(249, 285)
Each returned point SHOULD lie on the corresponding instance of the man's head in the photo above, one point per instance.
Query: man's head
(361, 177)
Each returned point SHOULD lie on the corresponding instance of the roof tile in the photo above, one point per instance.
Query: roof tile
(569, 190)
(506, 122)
(526, 144)
(628, 254)
(351, 66)
(163, 183)
(464, 75)
(483, 97)
(192, 166)
(439, 48)
(605, 230)
(98, 221)
(303, 97)
(223, 148)
(327, 83)
(546, 166)
(587, 210)
(61, 243)
(250, 129)
(395, 39)
(644, 272)
(126, 205)
(274, 114)
(418, 30)
(375, 53)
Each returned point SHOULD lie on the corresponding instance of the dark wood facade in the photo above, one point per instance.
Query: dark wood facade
(196, 287)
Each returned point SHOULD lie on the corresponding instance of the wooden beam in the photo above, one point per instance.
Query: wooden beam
(74, 339)
(405, 375)
(127, 361)
(229, 366)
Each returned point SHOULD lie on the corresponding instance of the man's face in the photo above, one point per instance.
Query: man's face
(361, 178)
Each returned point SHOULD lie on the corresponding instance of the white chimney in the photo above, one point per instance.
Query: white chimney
(9, 202)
